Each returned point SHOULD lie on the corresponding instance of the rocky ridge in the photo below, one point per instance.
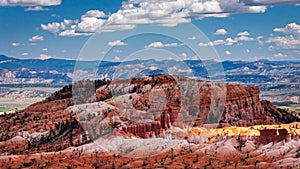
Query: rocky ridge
(144, 107)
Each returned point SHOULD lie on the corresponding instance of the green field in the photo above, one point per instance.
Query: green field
(3, 109)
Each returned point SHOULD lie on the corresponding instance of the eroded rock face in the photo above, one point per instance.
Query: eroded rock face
(144, 107)
(277, 115)
(243, 107)
(146, 130)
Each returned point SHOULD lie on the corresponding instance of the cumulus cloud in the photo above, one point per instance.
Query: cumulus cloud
(230, 41)
(192, 38)
(36, 38)
(15, 44)
(259, 40)
(195, 58)
(56, 27)
(36, 8)
(214, 43)
(290, 38)
(25, 54)
(242, 37)
(243, 34)
(285, 42)
(117, 59)
(45, 49)
(183, 56)
(227, 52)
(159, 12)
(72, 32)
(91, 22)
(116, 43)
(94, 13)
(45, 57)
(227, 42)
(245, 38)
(172, 13)
(289, 29)
(220, 32)
(30, 2)
(161, 45)
(280, 55)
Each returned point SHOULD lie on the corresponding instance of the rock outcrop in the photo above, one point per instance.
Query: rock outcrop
(142, 106)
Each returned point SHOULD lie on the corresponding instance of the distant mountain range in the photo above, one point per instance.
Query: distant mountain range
(56, 71)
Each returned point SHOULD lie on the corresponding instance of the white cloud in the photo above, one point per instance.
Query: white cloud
(150, 12)
(36, 38)
(89, 23)
(245, 38)
(158, 12)
(36, 8)
(285, 42)
(161, 45)
(56, 27)
(92, 21)
(227, 52)
(15, 44)
(220, 32)
(230, 41)
(25, 54)
(30, 2)
(116, 43)
(214, 43)
(45, 49)
(55, 15)
(227, 42)
(117, 59)
(94, 13)
(280, 55)
(45, 57)
(172, 13)
(51, 27)
(192, 38)
(243, 34)
(259, 40)
(195, 58)
(247, 51)
(291, 28)
(73, 33)
(290, 38)
(183, 56)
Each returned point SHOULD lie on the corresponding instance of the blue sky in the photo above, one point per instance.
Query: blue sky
(237, 30)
